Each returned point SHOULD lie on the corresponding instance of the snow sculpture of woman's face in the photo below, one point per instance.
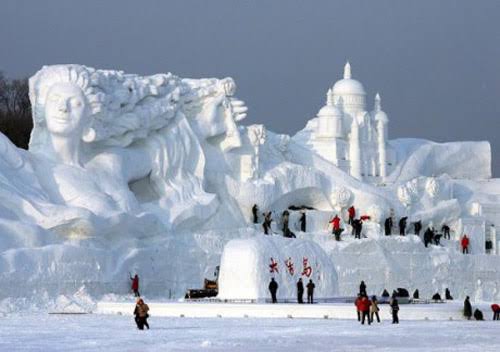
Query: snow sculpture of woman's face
(66, 111)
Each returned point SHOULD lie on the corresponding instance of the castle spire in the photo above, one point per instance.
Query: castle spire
(378, 103)
(347, 70)
(329, 97)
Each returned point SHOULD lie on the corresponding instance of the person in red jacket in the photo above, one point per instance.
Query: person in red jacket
(335, 223)
(357, 305)
(364, 307)
(465, 244)
(135, 285)
(352, 214)
(496, 311)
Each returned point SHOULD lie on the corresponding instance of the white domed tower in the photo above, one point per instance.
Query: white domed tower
(329, 120)
(351, 92)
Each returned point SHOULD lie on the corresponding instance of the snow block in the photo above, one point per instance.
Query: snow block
(247, 266)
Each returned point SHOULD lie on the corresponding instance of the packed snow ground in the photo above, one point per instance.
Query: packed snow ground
(118, 333)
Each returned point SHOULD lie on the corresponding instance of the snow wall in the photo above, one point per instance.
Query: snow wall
(248, 265)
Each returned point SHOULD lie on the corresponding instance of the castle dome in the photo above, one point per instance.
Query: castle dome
(329, 110)
(347, 85)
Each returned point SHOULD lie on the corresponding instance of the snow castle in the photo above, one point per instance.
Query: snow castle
(156, 175)
(353, 139)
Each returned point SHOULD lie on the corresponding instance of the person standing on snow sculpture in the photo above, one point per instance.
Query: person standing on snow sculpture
(285, 218)
(335, 223)
(465, 244)
(300, 291)
(135, 285)
(357, 226)
(255, 210)
(394, 309)
(266, 225)
(273, 288)
(352, 213)
(428, 235)
(141, 314)
(402, 225)
(388, 226)
(445, 229)
(374, 309)
(467, 308)
(302, 221)
(310, 291)
(418, 227)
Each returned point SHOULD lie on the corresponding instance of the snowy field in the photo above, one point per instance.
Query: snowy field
(93, 332)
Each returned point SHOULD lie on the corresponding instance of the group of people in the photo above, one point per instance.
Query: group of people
(273, 289)
(285, 219)
(368, 308)
(478, 314)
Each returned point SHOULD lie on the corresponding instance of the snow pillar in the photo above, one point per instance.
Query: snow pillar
(381, 149)
(355, 150)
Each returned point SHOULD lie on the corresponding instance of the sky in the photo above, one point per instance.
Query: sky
(436, 64)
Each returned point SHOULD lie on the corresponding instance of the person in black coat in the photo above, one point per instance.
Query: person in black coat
(478, 315)
(357, 226)
(428, 235)
(388, 226)
(310, 291)
(300, 291)
(416, 294)
(273, 288)
(418, 227)
(402, 225)
(255, 210)
(362, 289)
(436, 297)
(467, 308)
(302, 221)
(447, 294)
(394, 309)
(446, 231)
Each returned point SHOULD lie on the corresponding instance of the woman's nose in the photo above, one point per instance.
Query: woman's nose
(63, 106)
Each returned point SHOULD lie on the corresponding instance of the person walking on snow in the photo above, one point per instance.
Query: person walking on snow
(310, 291)
(300, 291)
(135, 285)
(428, 235)
(302, 221)
(467, 308)
(273, 288)
(465, 244)
(352, 214)
(402, 225)
(141, 314)
(394, 309)
(374, 309)
(388, 226)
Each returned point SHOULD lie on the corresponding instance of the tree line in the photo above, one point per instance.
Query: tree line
(15, 110)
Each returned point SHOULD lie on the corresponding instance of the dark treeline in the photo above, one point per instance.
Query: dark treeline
(15, 110)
